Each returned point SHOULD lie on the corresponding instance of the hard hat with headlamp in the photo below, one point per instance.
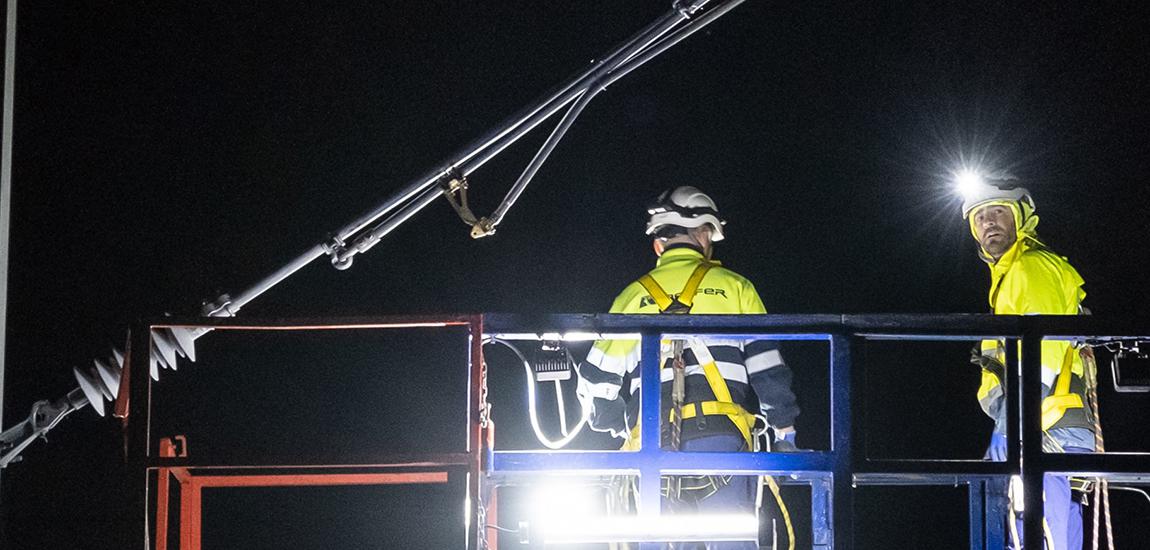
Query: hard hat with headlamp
(684, 207)
(978, 192)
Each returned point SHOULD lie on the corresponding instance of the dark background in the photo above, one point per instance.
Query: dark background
(165, 153)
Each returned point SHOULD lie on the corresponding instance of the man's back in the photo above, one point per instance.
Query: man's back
(721, 291)
(756, 377)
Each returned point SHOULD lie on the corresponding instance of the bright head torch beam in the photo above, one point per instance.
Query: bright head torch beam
(968, 182)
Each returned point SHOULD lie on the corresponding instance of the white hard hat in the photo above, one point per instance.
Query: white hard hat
(686, 207)
(988, 191)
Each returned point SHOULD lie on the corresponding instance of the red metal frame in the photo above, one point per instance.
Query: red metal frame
(165, 457)
(191, 489)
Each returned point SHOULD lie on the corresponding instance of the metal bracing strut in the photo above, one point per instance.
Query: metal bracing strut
(102, 381)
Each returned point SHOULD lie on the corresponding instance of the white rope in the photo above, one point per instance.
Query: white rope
(1094, 529)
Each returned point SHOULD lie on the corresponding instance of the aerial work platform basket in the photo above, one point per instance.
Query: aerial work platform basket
(176, 467)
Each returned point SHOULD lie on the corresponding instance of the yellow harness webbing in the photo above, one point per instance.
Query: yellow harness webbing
(686, 297)
(722, 405)
(742, 419)
(1060, 398)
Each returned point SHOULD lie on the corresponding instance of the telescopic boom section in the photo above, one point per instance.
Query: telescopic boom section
(102, 381)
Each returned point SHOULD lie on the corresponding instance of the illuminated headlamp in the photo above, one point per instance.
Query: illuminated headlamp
(968, 183)
(977, 189)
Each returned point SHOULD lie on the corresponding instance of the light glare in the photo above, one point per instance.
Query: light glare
(559, 500)
(967, 182)
(684, 527)
(1016, 499)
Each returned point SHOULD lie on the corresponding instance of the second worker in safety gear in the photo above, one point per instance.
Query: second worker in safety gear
(1027, 278)
(722, 382)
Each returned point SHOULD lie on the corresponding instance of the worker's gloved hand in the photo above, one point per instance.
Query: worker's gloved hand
(785, 442)
(987, 363)
(997, 449)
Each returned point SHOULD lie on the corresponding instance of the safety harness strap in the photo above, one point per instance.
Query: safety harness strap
(742, 419)
(686, 298)
(657, 293)
(711, 370)
(1060, 400)
(723, 404)
(1062, 384)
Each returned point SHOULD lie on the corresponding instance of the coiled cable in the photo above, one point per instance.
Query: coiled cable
(531, 407)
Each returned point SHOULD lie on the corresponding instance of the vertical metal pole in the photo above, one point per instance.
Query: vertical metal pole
(163, 480)
(1032, 467)
(1013, 395)
(987, 498)
(6, 183)
(822, 531)
(842, 434)
(477, 417)
(995, 533)
(136, 423)
(976, 510)
(191, 520)
(489, 491)
(649, 498)
(137, 444)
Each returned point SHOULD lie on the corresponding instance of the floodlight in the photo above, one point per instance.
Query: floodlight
(565, 499)
(658, 528)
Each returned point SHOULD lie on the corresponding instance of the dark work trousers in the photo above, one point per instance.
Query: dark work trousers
(738, 497)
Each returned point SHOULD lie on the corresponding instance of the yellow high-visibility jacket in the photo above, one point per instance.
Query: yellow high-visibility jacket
(754, 371)
(1028, 280)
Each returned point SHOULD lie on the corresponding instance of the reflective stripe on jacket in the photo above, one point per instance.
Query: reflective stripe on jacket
(756, 375)
(1028, 280)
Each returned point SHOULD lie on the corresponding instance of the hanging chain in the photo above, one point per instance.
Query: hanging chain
(484, 405)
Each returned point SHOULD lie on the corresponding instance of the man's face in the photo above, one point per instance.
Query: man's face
(994, 228)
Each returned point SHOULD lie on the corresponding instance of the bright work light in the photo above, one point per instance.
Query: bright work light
(662, 528)
(574, 512)
(565, 499)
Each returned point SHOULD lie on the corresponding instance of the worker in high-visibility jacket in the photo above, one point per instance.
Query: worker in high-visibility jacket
(1027, 278)
(725, 381)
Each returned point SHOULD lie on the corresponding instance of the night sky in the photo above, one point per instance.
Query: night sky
(166, 153)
